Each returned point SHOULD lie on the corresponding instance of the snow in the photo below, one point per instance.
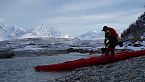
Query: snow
(131, 48)
(136, 48)
(13, 32)
(42, 31)
(37, 48)
(21, 68)
(92, 35)
(66, 36)
(28, 35)
(29, 48)
(10, 32)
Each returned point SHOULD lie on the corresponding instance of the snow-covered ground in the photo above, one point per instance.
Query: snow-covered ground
(131, 48)
(20, 69)
(29, 48)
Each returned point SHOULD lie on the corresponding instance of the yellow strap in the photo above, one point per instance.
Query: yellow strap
(107, 46)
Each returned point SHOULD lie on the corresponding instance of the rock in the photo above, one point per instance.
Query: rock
(6, 53)
(129, 70)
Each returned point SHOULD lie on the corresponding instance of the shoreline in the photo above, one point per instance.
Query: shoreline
(132, 69)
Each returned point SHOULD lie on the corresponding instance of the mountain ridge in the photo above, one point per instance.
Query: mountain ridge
(14, 32)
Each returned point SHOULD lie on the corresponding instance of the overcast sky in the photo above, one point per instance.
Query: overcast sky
(71, 17)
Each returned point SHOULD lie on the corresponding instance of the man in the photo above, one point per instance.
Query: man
(111, 40)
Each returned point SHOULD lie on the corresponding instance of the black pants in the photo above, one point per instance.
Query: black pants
(111, 45)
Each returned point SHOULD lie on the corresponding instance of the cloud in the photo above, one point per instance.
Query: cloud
(78, 20)
(77, 5)
(119, 20)
(2, 19)
(71, 15)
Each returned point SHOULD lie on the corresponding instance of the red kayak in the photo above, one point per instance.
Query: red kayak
(84, 62)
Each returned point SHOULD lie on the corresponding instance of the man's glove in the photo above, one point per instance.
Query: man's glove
(103, 50)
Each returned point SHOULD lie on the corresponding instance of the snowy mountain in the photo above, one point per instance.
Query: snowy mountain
(13, 32)
(91, 35)
(10, 32)
(43, 31)
(46, 31)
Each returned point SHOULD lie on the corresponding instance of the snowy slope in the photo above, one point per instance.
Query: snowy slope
(10, 32)
(43, 31)
(13, 32)
(91, 35)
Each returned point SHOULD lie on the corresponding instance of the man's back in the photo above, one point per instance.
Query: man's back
(112, 32)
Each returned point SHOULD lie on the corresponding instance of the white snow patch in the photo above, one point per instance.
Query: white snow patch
(131, 47)
(29, 48)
